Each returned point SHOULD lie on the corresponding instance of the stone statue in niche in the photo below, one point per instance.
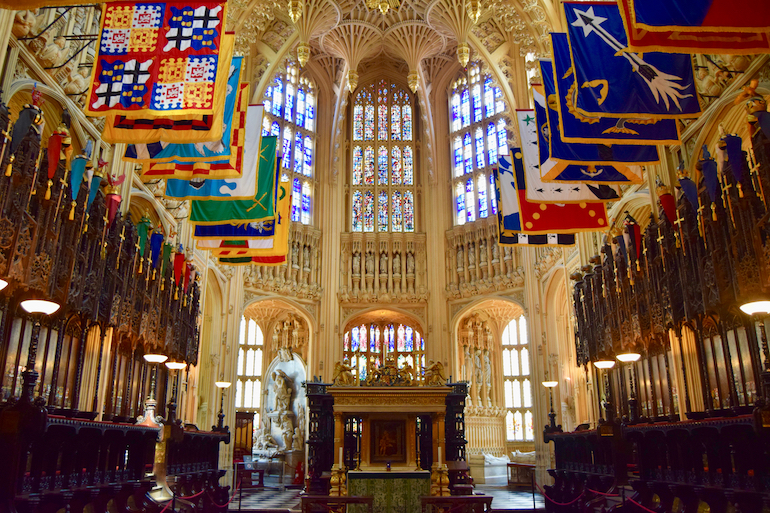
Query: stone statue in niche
(495, 251)
(483, 251)
(472, 255)
(397, 263)
(487, 368)
(410, 263)
(383, 263)
(468, 366)
(282, 388)
(54, 53)
(477, 366)
(460, 258)
(356, 263)
(294, 256)
(369, 263)
(306, 257)
(23, 23)
(297, 444)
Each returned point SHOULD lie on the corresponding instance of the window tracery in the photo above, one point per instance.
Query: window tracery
(369, 346)
(517, 382)
(383, 160)
(248, 387)
(290, 114)
(478, 137)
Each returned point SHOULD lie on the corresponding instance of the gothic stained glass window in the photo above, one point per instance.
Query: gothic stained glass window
(358, 123)
(407, 115)
(376, 344)
(517, 381)
(395, 123)
(396, 216)
(492, 143)
(478, 137)
(357, 211)
(382, 122)
(479, 147)
(358, 165)
(296, 200)
(396, 166)
(368, 211)
(369, 166)
(382, 211)
(290, 115)
(469, 210)
(408, 166)
(369, 122)
(382, 166)
(482, 188)
(408, 211)
(386, 169)
(300, 108)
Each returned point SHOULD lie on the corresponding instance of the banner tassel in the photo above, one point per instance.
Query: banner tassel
(9, 168)
(85, 225)
(72, 211)
(48, 191)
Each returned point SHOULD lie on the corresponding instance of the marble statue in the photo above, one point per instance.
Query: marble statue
(287, 430)
(23, 23)
(487, 368)
(356, 263)
(282, 387)
(54, 53)
(383, 263)
(369, 263)
(397, 263)
(297, 444)
(434, 374)
(410, 263)
(343, 374)
(477, 366)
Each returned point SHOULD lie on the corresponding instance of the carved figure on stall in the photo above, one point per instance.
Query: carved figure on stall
(55, 53)
(297, 444)
(434, 374)
(306, 257)
(294, 255)
(356, 263)
(343, 374)
(460, 257)
(397, 263)
(383, 263)
(79, 80)
(282, 387)
(410, 263)
(472, 255)
(23, 22)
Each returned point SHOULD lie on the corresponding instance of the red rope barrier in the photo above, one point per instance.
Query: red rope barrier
(602, 493)
(643, 507)
(169, 501)
(235, 492)
(542, 492)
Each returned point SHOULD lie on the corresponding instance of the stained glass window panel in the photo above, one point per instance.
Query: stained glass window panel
(523, 330)
(492, 143)
(382, 212)
(354, 338)
(499, 104)
(482, 188)
(509, 430)
(396, 212)
(406, 111)
(300, 108)
(489, 101)
(369, 122)
(476, 103)
(275, 129)
(502, 138)
(467, 153)
(369, 165)
(382, 122)
(456, 121)
(346, 342)
(515, 362)
(358, 123)
(458, 149)
(492, 194)
(296, 200)
(517, 426)
(278, 98)
(408, 166)
(310, 112)
(479, 148)
(529, 427)
(508, 395)
(516, 394)
(408, 211)
(368, 211)
(469, 210)
(358, 204)
(382, 166)
(525, 362)
(396, 177)
(267, 103)
(298, 154)
(526, 394)
(395, 122)
(286, 161)
(306, 203)
(465, 108)
(307, 166)
(460, 200)
(358, 163)
(289, 110)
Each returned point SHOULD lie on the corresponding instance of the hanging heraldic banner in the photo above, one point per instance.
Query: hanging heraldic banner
(162, 58)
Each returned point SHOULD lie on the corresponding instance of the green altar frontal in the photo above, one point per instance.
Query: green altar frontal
(393, 492)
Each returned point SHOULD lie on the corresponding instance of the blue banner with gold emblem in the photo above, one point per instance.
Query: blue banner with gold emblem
(612, 80)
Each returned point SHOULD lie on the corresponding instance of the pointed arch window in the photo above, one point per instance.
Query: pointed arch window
(248, 387)
(517, 382)
(383, 160)
(478, 137)
(369, 346)
(290, 114)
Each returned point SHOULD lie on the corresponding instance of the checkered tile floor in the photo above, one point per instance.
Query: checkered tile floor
(273, 498)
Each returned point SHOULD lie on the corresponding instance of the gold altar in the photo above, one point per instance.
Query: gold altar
(382, 410)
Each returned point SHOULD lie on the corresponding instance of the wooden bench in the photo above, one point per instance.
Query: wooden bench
(331, 504)
(457, 504)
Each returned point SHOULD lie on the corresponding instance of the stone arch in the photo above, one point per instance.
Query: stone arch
(397, 315)
(287, 327)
